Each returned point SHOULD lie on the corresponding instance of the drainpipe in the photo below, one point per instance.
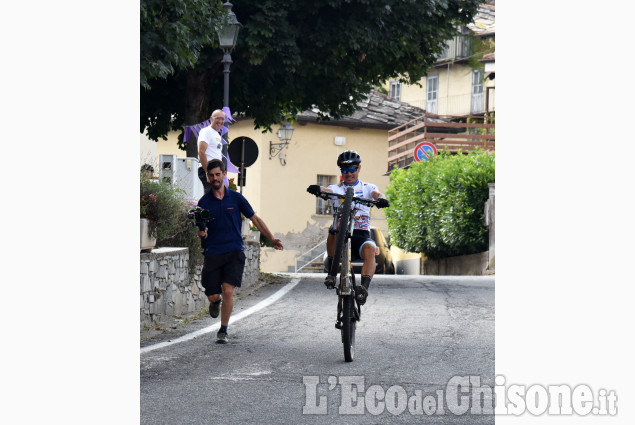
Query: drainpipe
(447, 93)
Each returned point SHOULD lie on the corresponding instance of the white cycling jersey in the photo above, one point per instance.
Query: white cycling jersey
(362, 190)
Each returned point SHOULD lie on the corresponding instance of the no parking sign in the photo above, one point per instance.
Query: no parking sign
(425, 151)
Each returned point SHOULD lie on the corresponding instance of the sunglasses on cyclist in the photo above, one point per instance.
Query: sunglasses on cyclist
(349, 169)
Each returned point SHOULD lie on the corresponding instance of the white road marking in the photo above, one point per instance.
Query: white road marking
(215, 327)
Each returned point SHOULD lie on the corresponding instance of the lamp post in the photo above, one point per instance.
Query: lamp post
(284, 134)
(227, 37)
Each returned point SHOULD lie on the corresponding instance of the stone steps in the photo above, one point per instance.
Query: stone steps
(315, 266)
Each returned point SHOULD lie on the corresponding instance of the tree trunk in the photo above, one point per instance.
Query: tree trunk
(197, 99)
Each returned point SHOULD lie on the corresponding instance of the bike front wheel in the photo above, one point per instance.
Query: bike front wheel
(342, 231)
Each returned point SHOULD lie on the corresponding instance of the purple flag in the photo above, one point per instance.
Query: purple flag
(228, 114)
(195, 129)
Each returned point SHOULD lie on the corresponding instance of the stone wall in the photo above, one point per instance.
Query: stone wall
(251, 274)
(490, 222)
(168, 289)
(462, 265)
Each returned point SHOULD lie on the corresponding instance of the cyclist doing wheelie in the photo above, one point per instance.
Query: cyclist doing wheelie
(361, 243)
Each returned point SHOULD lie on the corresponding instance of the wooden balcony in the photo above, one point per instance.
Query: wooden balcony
(446, 134)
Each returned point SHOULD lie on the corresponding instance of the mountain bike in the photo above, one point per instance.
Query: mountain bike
(349, 312)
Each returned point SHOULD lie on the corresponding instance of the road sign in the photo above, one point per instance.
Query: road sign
(243, 151)
(425, 151)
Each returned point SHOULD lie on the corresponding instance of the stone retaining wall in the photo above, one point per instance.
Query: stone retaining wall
(168, 289)
(463, 265)
(490, 222)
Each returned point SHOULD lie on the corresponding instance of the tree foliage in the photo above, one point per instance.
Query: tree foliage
(173, 32)
(293, 55)
(437, 207)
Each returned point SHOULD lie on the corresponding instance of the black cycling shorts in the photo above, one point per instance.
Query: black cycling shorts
(222, 268)
(359, 239)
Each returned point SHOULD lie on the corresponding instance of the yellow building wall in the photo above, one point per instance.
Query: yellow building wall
(414, 95)
(454, 91)
(147, 152)
(278, 192)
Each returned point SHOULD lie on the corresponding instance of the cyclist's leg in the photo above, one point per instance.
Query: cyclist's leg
(330, 250)
(331, 241)
(368, 251)
(364, 247)
(330, 245)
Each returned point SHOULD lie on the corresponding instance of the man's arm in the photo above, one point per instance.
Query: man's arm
(202, 147)
(314, 189)
(260, 225)
(377, 194)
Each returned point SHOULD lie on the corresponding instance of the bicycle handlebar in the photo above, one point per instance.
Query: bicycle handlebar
(325, 195)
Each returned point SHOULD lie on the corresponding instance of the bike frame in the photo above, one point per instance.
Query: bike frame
(346, 273)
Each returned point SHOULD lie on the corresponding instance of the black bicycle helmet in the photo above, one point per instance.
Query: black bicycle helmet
(348, 158)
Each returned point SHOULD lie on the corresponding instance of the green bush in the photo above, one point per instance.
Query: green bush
(166, 206)
(437, 207)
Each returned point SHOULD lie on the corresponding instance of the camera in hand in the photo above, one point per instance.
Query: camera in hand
(200, 217)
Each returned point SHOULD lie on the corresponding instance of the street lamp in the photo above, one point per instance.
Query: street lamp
(284, 134)
(227, 38)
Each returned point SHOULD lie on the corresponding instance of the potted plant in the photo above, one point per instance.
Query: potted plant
(165, 209)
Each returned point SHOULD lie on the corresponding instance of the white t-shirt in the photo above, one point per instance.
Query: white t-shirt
(362, 190)
(214, 143)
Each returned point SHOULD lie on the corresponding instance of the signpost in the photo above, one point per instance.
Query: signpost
(425, 151)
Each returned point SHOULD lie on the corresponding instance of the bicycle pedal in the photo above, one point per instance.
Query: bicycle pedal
(338, 325)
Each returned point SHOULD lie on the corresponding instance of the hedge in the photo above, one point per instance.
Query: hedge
(437, 207)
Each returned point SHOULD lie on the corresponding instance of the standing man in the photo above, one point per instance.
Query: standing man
(362, 244)
(210, 144)
(223, 244)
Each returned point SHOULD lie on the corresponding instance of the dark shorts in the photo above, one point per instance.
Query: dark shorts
(222, 268)
(359, 239)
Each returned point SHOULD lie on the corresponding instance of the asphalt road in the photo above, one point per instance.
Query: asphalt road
(419, 338)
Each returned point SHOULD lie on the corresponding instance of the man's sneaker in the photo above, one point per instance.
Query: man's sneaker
(221, 337)
(361, 294)
(214, 309)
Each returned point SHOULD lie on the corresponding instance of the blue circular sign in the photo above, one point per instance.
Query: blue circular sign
(425, 151)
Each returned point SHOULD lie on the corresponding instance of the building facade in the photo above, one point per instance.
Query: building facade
(276, 183)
